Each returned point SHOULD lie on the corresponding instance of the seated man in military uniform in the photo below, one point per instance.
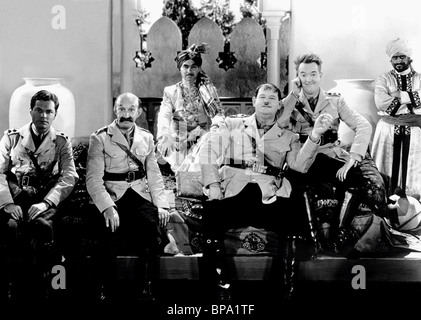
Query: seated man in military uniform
(353, 174)
(37, 173)
(125, 184)
(249, 188)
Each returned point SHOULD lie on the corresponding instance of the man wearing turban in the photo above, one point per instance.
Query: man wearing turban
(397, 139)
(188, 110)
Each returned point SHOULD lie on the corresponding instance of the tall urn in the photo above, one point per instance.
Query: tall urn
(359, 95)
(20, 104)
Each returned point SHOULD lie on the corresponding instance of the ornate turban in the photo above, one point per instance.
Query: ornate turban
(398, 46)
(192, 53)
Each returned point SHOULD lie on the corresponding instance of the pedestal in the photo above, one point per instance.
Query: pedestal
(20, 104)
(359, 95)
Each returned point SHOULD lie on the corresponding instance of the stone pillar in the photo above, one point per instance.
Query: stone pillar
(273, 12)
(130, 42)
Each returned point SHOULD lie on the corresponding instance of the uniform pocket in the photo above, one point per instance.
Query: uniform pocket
(115, 159)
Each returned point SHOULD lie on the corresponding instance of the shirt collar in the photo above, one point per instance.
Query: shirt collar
(34, 130)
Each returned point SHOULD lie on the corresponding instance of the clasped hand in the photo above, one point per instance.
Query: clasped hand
(16, 213)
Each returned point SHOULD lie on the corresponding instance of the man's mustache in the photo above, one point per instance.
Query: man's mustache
(122, 119)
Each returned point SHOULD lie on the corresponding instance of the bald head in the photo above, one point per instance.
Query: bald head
(127, 109)
(127, 97)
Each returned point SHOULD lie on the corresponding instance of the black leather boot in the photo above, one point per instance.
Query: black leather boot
(216, 263)
(148, 274)
(290, 259)
(345, 237)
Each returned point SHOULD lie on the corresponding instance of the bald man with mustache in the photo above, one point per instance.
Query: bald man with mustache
(126, 185)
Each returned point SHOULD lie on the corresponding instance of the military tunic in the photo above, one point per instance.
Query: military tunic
(105, 155)
(277, 147)
(54, 156)
(336, 106)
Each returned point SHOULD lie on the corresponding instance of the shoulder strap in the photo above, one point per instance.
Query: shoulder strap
(133, 157)
(300, 107)
(35, 162)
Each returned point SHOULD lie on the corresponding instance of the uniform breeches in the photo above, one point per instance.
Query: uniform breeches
(139, 226)
(27, 234)
(365, 180)
(325, 168)
(246, 209)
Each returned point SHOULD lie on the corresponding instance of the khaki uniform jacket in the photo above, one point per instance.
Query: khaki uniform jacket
(336, 106)
(54, 156)
(104, 155)
(234, 140)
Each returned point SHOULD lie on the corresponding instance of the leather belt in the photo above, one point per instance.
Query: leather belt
(255, 167)
(129, 176)
(29, 181)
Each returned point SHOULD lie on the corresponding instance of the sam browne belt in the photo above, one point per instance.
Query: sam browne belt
(255, 167)
(129, 176)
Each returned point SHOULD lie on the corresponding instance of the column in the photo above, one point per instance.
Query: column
(129, 43)
(273, 12)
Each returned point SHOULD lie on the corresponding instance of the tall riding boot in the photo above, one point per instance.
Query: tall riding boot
(47, 256)
(312, 224)
(148, 274)
(345, 237)
(8, 275)
(289, 265)
(216, 261)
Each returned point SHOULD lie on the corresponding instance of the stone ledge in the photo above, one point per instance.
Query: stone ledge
(403, 268)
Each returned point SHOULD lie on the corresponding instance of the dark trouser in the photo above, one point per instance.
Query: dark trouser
(363, 184)
(401, 144)
(244, 209)
(138, 234)
(323, 171)
(28, 245)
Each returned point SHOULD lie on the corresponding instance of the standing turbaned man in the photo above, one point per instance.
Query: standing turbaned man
(397, 139)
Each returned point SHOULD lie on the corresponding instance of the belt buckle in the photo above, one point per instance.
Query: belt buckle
(25, 181)
(131, 176)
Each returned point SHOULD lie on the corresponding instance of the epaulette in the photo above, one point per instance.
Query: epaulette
(239, 115)
(12, 131)
(103, 129)
(62, 134)
(333, 94)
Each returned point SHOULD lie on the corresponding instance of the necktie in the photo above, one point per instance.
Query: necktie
(37, 140)
(128, 136)
(312, 103)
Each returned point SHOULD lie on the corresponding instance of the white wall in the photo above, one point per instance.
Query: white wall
(80, 53)
(351, 35)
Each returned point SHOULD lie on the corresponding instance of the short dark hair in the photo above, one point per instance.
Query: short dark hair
(308, 58)
(44, 95)
(269, 86)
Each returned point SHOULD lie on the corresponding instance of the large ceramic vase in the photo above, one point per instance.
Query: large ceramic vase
(20, 104)
(359, 95)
